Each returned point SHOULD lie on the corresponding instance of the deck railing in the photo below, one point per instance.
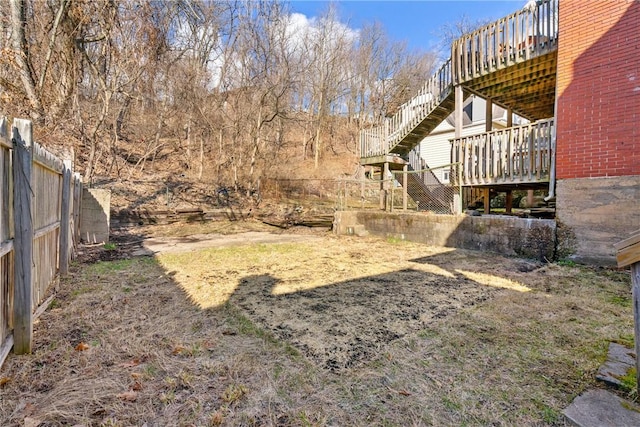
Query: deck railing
(519, 154)
(381, 139)
(523, 35)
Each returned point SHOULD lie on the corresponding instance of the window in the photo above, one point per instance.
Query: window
(445, 175)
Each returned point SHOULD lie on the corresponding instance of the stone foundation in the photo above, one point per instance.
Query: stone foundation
(507, 235)
(595, 213)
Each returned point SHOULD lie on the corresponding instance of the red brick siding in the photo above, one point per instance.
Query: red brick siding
(598, 89)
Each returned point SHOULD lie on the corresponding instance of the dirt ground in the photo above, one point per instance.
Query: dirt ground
(334, 316)
(250, 325)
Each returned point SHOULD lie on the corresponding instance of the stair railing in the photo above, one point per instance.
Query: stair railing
(381, 139)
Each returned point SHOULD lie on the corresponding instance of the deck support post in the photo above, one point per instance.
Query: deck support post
(509, 118)
(487, 200)
(530, 198)
(508, 204)
(488, 114)
(459, 101)
(405, 183)
(384, 186)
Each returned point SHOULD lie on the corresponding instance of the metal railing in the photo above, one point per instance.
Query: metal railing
(523, 35)
(519, 154)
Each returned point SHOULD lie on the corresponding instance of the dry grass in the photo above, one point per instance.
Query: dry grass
(200, 227)
(343, 332)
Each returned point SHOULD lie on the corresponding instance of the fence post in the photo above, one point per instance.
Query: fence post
(635, 278)
(405, 185)
(346, 196)
(77, 209)
(23, 222)
(65, 218)
(392, 187)
(458, 202)
(628, 254)
(362, 190)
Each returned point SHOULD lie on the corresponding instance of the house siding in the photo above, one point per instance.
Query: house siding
(436, 148)
(598, 89)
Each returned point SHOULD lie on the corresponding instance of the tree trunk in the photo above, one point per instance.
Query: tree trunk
(188, 130)
(20, 47)
(317, 142)
(93, 140)
(201, 166)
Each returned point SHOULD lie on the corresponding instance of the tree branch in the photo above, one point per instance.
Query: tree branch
(52, 40)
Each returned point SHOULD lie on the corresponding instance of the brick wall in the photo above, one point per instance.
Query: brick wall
(598, 88)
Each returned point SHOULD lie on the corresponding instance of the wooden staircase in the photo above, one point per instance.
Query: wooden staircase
(425, 188)
(511, 61)
(414, 120)
(413, 136)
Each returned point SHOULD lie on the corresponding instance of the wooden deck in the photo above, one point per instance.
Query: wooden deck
(510, 62)
(512, 156)
(519, 37)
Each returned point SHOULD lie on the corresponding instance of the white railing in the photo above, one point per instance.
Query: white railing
(519, 154)
(380, 140)
(523, 35)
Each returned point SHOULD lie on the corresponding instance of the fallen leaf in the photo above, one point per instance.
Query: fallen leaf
(400, 392)
(136, 386)
(129, 396)
(31, 422)
(136, 375)
(82, 346)
(177, 350)
(28, 409)
(4, 380)
(131, 363)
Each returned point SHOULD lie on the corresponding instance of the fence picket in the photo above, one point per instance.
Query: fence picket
(32, 230)
(23, 248)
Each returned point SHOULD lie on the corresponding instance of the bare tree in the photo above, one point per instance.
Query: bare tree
(221, 87)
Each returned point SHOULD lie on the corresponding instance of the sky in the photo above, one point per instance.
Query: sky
(417, 22)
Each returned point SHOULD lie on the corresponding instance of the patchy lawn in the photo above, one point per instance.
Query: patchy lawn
(313, 329)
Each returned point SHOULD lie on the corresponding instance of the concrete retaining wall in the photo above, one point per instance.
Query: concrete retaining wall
(95, 217)
(530, 238)
(595, 213)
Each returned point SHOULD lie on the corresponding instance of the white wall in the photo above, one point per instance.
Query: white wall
(435, 149)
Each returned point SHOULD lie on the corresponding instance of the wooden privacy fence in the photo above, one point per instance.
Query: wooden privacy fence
(628, 254)
(39, 222)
